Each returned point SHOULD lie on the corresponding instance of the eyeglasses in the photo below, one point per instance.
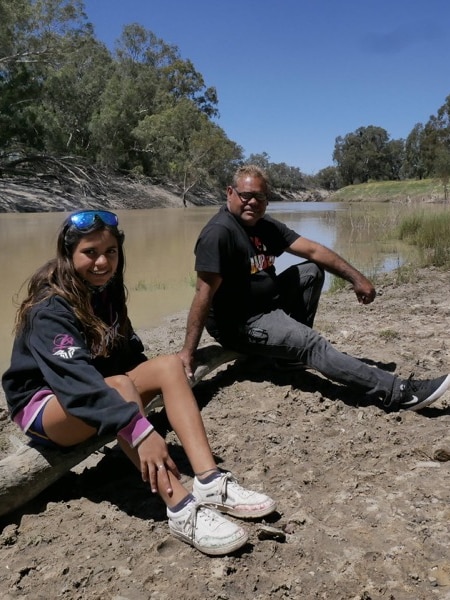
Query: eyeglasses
(247, 196)
(86, 218)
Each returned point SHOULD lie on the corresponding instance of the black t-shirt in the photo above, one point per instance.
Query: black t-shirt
(244, 257)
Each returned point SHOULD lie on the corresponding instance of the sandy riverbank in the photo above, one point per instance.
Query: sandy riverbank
(361, 492)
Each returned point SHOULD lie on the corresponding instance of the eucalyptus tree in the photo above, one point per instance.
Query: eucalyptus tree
(285, 177)
(185, 146)
(414, 166)
(72, 96)
(366, 154)
(328, 178)
(149, 79)
(35, 39)
(436, 141)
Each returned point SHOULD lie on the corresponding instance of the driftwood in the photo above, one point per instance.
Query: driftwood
(31, 469)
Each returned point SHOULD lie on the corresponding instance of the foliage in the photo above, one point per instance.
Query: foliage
(414, 164)
(328, 179)
(431, 233)
(366, 154)
(191, 149)
(140, 109)
(281, 176)
(35, 39)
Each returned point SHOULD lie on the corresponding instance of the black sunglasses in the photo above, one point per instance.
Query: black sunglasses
(247, 196)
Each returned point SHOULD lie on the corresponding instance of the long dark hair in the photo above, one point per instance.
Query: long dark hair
(57, 277)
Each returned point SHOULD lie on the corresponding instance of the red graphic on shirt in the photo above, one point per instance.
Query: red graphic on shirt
(261, 260)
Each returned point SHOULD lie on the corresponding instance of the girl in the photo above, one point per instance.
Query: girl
(78, 370)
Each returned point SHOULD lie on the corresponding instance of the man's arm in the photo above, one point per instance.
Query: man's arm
(335, 264)
(206, 286)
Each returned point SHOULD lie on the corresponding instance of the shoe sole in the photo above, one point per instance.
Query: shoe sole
(243, 514)
(434, 396)
(215, 551)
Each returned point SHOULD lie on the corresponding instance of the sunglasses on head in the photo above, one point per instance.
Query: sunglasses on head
(86, 218)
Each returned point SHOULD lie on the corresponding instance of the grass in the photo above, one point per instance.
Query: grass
(388, 334)
(192, 279)
(392, 191)
(431, 234)
(144, 286)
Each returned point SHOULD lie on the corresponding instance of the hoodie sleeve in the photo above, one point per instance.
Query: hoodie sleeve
(58, 346)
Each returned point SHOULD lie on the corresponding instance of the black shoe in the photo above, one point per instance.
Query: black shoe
(413, 394)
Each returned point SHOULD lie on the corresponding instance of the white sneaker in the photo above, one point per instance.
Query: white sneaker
(206, 529)
(225, 494)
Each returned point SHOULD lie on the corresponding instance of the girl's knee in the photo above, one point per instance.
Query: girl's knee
(121, 383)
(171, 364)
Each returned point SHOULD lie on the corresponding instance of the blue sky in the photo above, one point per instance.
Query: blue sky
(292, 75)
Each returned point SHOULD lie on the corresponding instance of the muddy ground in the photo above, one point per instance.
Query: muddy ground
(363, 494)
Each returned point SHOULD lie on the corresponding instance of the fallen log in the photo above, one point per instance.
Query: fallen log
(31, 469)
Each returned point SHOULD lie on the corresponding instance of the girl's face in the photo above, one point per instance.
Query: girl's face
(96, 257)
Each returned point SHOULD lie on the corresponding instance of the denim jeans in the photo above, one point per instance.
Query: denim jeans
(286, 333)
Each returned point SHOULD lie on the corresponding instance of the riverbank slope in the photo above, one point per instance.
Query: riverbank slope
(115, 193)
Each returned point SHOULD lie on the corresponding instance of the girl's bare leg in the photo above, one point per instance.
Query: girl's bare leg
(66, 430)
(166, 374)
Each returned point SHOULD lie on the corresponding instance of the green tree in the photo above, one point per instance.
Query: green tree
(149, 79)
(35, 38)
(442, 168)
(72, 96)
(286, 178)
(328, 179)
(261, 160)
(414, 164)
(366, 154)
(186, 146)
(395, 157)
(436, 139)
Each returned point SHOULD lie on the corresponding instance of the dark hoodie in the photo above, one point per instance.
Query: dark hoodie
(51, 353)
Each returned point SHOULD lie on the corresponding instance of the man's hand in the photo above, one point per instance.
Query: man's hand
(364, 290)
(188, 361)
(205, 288)
(335, 264)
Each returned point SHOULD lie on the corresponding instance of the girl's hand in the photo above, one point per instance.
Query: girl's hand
(155, 462)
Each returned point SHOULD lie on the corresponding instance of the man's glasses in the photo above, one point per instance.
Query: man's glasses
(247, 196)
(86, 218)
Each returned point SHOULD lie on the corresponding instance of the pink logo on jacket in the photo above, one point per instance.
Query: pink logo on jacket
(63, 346)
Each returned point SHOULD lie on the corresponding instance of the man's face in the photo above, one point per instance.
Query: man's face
(248, 200)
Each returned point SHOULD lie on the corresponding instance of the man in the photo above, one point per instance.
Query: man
(247, 307)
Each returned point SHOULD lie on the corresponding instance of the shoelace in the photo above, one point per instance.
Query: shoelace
(403, 388)
(410, 386)
(210, 517)
(228, 479)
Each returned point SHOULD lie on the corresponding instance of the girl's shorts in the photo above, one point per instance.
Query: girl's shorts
(29, 419)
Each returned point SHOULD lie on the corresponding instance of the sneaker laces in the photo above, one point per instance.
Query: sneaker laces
(226, 480)
(209, 516)
(407, 384)
(410, 385)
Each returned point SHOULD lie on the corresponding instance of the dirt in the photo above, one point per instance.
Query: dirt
(363, 494)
